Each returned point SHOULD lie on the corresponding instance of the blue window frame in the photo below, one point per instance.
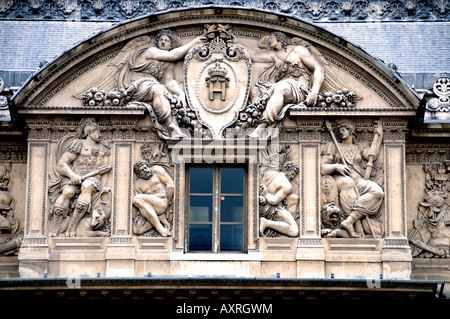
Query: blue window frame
(216, 214)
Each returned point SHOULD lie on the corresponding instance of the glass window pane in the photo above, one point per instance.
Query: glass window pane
(200, 208)
(232, 180)
(231, 237)
(200, 237)
(231, 209)
(201, 180)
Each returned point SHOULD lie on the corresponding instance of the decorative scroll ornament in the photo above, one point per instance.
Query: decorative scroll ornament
(441, 103)
(217, 79)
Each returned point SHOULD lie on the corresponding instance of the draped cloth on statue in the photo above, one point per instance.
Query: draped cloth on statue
(363, 197)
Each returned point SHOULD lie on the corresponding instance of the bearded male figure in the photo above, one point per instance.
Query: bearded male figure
(278, 203)
(155, 189)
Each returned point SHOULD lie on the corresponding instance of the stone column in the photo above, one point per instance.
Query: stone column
(310, 250)
(396, 251)
(33, 255)
(120, 249)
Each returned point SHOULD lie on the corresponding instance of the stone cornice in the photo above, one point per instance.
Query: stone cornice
(95, 110)
(318, 11)
(169, 287)
(317, 111)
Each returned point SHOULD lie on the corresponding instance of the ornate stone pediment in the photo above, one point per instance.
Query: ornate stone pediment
(152, 83)
(94, 76)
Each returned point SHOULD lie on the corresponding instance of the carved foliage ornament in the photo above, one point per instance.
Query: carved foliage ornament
(118, 10)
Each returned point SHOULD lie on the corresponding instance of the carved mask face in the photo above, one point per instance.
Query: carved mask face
(330, 215)
(164, 43)
(59, 211)
(98, 219)
(435, 198)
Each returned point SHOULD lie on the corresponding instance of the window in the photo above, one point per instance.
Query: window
(216, 209)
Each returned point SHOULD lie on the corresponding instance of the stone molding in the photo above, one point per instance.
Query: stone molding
(318, 11)
(33, 97)
(15, 152)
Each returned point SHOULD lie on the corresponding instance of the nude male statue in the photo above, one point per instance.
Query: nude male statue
(278, 203)
(155, 189)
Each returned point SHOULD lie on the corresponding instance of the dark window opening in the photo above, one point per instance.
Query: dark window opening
(216, 209)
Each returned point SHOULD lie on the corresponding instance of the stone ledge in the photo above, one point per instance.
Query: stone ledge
(172, 287)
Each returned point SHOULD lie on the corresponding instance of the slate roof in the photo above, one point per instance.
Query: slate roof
(419, 49)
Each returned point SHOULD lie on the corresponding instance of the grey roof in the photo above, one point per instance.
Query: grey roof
(420, 50)
(24, 45)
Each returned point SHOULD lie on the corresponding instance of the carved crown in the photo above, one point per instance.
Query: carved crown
(217, 71)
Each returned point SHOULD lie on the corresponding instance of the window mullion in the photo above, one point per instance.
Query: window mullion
(216, 210)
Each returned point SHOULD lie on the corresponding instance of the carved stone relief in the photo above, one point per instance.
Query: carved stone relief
(10, 235)
(217, 92)
(295, 75)
(154, 189)
(313, 10)
(142, 74)
(157, 84)
(278, 193)
(430, 236)
(438, 107)
(352, 191)
(78, 194)
(217, 79)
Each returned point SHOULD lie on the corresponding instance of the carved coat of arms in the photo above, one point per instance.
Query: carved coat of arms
(217, 79)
